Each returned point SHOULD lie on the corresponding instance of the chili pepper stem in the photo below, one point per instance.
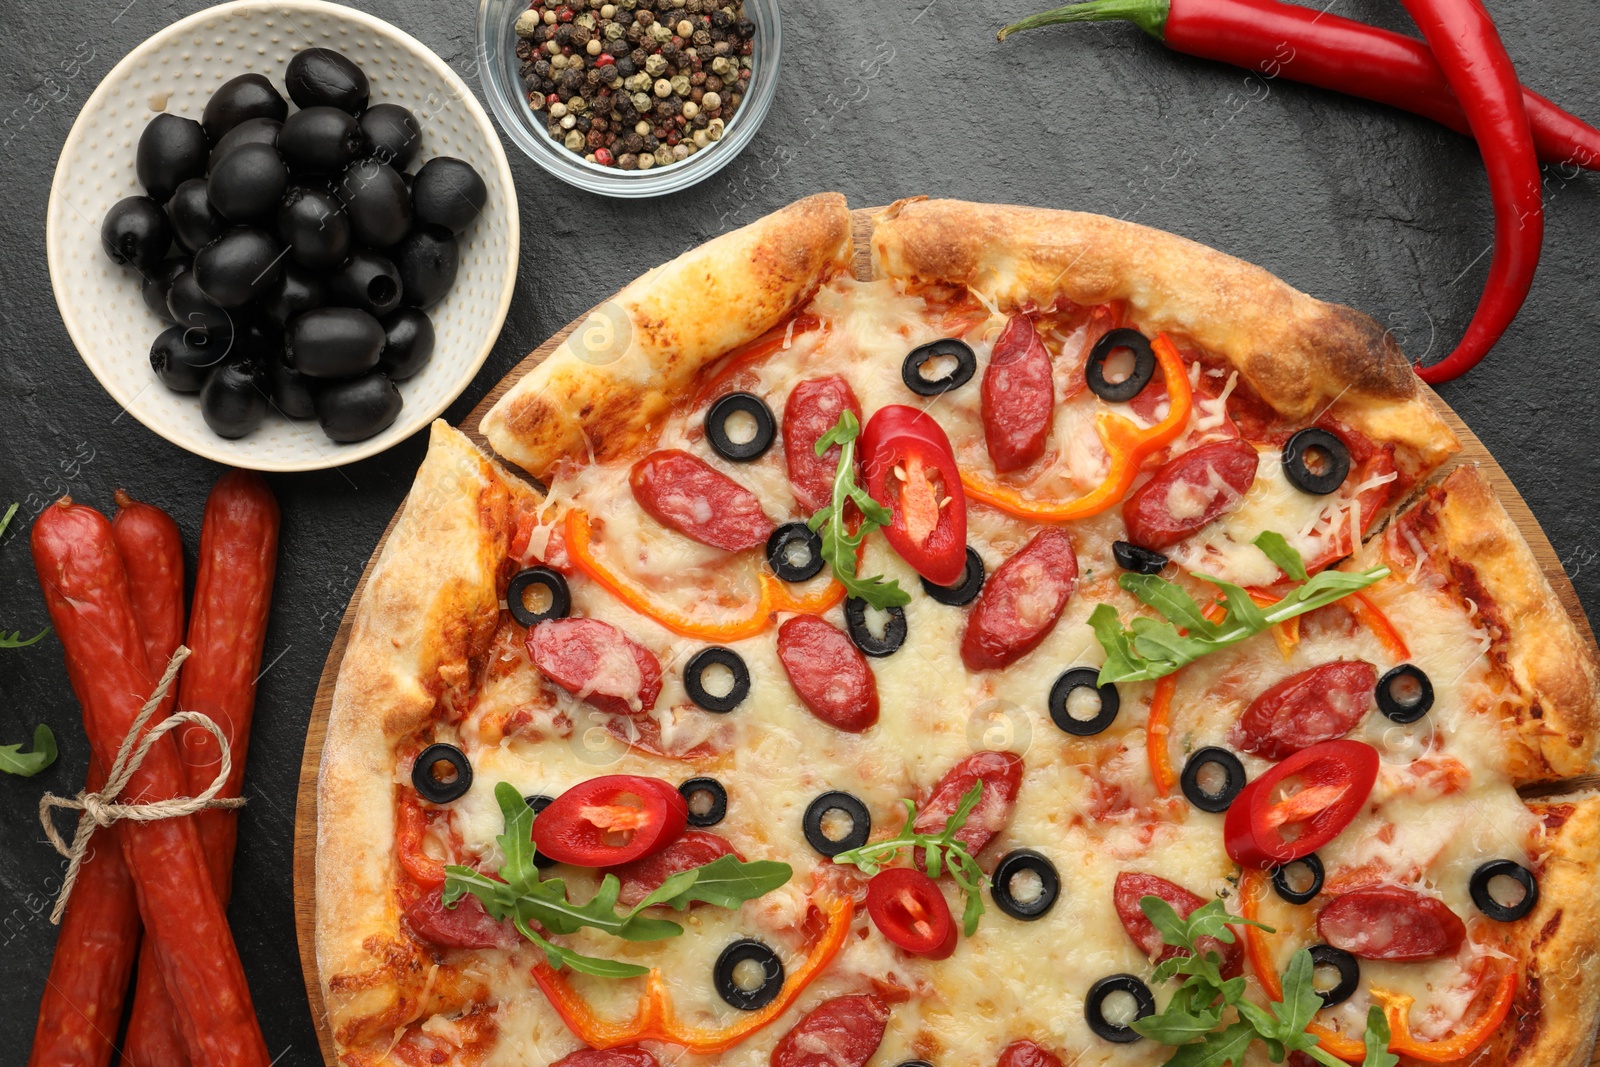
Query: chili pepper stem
(1149, 15)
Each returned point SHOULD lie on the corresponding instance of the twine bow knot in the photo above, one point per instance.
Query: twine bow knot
(101, 809)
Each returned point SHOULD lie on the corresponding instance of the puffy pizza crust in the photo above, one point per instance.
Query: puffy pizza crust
(1555, 1009)
(596, 396)
(1299, 354)
(429, 606)
(1554, 713)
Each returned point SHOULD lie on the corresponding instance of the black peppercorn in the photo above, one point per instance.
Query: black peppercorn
(701, 38)
(713, 83)
(720, 19)
(638, 55)
(626, 66)
(651, 142)
(745, 28)
(644, 17)
(524, 50)
(570, 81)
(632, 142)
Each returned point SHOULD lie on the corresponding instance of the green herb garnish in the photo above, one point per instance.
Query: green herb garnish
(1208, 1018)
(839, 545)
(12, 759)
(523, 898)
(940, 851)
(1152, 648)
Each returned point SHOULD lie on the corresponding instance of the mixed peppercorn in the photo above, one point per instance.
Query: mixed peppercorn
(635, 84)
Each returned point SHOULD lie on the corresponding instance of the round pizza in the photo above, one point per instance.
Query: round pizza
(974, 636)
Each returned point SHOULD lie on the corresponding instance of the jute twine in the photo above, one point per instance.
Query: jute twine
(101, 809)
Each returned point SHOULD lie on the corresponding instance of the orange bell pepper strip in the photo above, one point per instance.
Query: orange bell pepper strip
(655, 1019)
(1126, 444)
(1252, 886)
(411, 823)
(1458, 1046)
(775, 595)
(1368, 614)
(1155, 734)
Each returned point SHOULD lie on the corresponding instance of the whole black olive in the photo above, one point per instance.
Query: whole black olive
(320, 140)
(136, 233)
(250, 131)
(249, 96)
(427, 259)
(334, 342)
(234, 399)
(183, 358)
(356, 409)
(188, 306)
(321, 76)
(448, 192)
(392, 134)
(258, 340)
(293, 394)
(375, 196)
(369, 281)
(158, 283)
(296, 292)
(195, 223)
(407, 343)
(238, 267)
(172, 149)
(312, 223)
(247, 183)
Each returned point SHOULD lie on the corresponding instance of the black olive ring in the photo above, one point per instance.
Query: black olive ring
(717, 427)
(786, 537)
(748, 948)
(432, 789)
(560, 595)
(537, 803)
(1504, 913)
(1232, 770)
(1014, 863)
(1144, 366)
(1130, 557)
(1281, 884)
(1396, 709)
(836, 800)
(960, 351)
(1300, 474)
(966, 590)
(1094, 1003)
(913, 1063)
(709, 787)
(1349, 969)
(693, 679)
(1083, 678)
(894, 630)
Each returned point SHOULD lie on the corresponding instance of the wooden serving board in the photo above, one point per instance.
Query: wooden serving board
(305, 835)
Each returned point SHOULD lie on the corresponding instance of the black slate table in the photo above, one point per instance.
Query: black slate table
(1345, 200)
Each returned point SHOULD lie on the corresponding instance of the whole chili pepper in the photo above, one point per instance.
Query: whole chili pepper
(1474, 61)
(1310, 46)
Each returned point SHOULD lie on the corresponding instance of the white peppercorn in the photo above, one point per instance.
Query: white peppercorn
(558, 110)
(714, 130)
(646, 162)
(702, 139)
(526, 23)
(608, 10)
(663, 88)
(549, 18)
(685, 28)
(593, 47)
(641, 127)
(711, 101)
(568, 121)
(690, 109)
(680, 151)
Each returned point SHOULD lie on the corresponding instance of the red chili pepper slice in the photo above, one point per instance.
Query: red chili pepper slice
(911, 470)
(907, 907)
(616, 818)
(1268, 824)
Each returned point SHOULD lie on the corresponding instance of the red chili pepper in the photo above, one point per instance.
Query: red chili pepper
(908, 908)
(911, 470)
(1309, 45)
(1265, 825)
(614, 819)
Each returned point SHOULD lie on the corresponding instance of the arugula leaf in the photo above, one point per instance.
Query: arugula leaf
(941, 851)
(519, 895)
(27, 764)
(1378, 1054)
(1153, 648)
(839, 545)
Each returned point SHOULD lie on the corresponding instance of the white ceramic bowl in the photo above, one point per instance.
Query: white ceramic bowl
(177, 70)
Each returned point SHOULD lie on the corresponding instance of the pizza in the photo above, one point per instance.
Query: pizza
(977, 635)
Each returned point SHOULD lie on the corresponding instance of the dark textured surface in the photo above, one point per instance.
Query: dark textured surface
(879, 100)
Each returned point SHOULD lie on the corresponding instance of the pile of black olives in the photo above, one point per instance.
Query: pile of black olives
(294, 254)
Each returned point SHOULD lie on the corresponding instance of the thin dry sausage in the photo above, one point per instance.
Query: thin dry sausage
(842, 1032)
(1389, 922)
(1001, 775)
(828, 672)
(597, 662)
(685, 493)
(813, 407)
(1131, 887)
(1318, 704)
(1189, 492)
(644, 876)
(1021, 602)
(1027, 1054)
(1019, 396)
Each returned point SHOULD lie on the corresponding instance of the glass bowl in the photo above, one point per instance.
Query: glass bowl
(497, 65)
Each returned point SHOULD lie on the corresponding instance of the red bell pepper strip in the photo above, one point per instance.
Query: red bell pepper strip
(911, 470)
(1335, 778)
(613, 819)
(655, 1019)
(1308, 44)
(1126, 445)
